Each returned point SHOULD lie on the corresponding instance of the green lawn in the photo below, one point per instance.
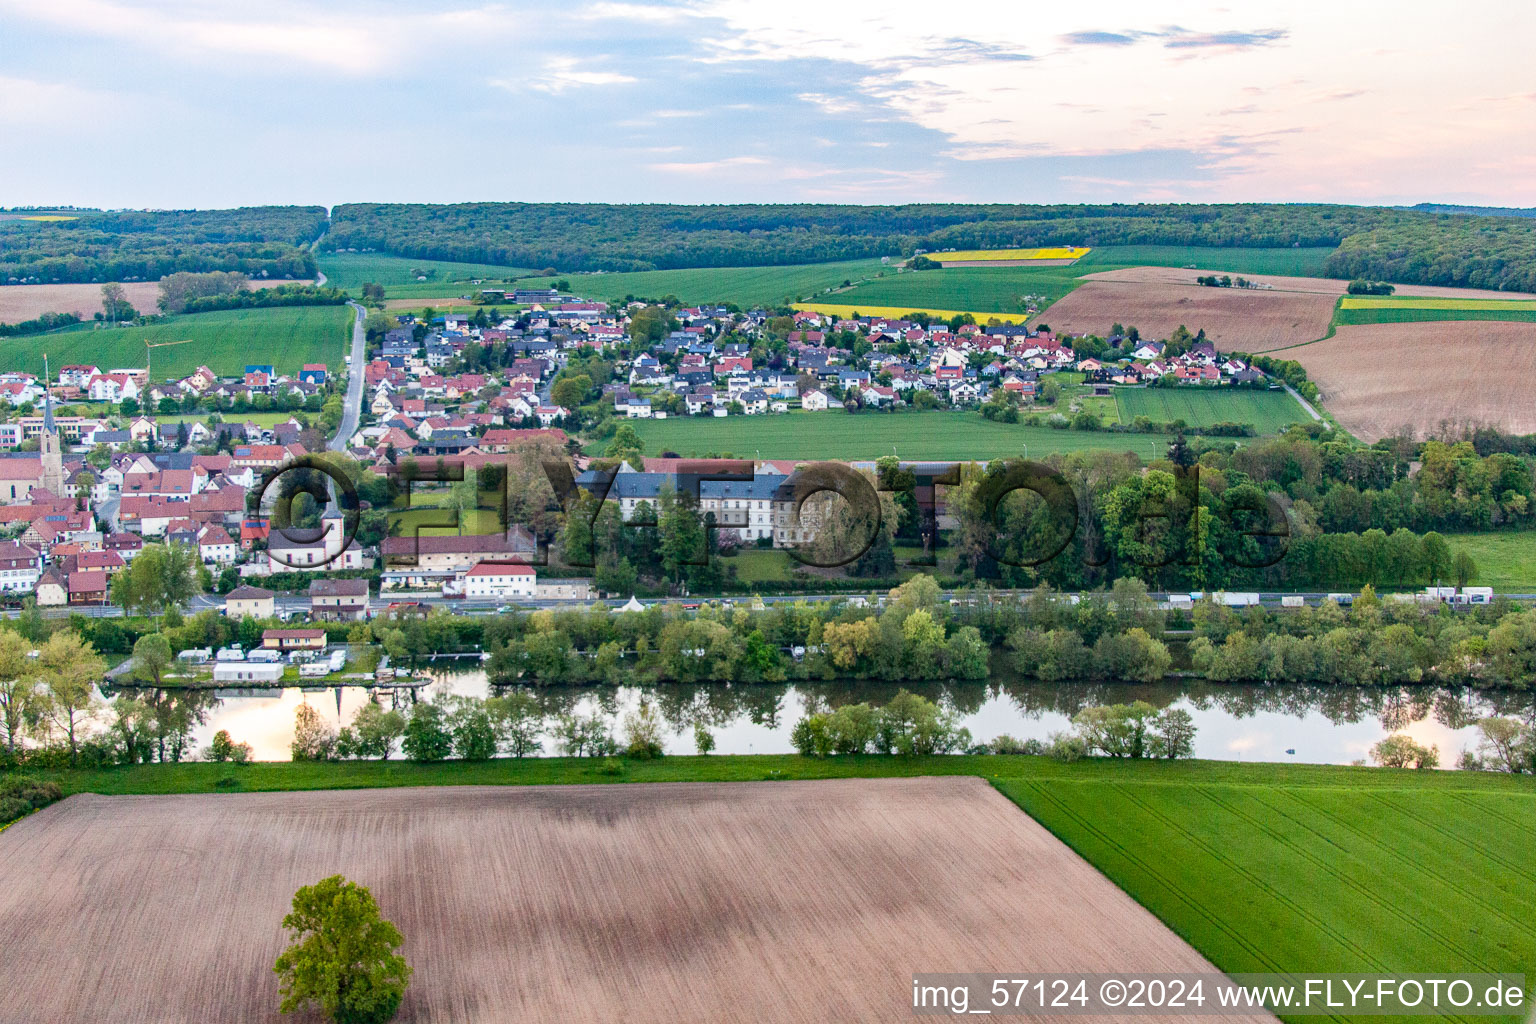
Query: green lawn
(1268, 411)
(226, 341)
(1287, 262)
(351, 270)
(1316, 875)
(755, 566)
(426, 508)
(1505, 561)
(261, 419)
(745, 286)
(940, 434)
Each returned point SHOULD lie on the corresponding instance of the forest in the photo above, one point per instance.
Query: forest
(1376, 242)
(260, 241)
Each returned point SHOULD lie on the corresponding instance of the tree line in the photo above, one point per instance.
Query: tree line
(263, 241)
(1375, 242)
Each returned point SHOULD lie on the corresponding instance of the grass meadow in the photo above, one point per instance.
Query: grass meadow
(745, 286)
(940, 434)
(972, 289)
(225, 341)
(1505, 561)
(351, 271)
(1268, 411)
(1316, 876)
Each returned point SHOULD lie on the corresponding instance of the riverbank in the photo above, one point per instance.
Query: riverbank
(273, 776)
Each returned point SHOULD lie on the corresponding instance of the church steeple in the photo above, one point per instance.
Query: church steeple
(52, 476)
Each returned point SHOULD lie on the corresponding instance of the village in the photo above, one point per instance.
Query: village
(173, 461)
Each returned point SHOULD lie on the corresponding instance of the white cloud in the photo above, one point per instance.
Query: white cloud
(560, 74)
(347, 40)
(1228, 84)
(708, 166)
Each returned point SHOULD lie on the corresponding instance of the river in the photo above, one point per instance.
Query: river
(1322, 724)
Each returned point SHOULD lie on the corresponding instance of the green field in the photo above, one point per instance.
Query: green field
(1314, 876)
(1286, 262)
(1268, 411)
(1436, 302)
(941, 434)
(745, 286)
(1420, 314)
(1505, 561)
(982, 289)
(999, 289)
(1262, 867)
(226, 341)
(351, 271)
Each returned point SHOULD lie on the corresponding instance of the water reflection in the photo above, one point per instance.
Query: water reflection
(1322, 724)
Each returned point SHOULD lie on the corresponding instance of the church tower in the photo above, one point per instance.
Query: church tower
(52, 478)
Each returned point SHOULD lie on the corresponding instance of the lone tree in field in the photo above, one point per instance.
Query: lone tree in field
(344, 958)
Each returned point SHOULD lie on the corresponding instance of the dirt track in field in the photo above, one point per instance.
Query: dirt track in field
(1236, 319)
(1378, 378)
(775, 901)
(20, 302)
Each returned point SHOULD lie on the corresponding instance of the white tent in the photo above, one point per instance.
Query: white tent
(632, 605)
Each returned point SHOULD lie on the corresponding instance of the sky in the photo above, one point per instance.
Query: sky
(213, 103)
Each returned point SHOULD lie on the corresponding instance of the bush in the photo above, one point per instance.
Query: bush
(426, 734)
(20, 795)
(1006, 744)
(313, 739)
(1067, 748)
(1401, 751)
(642, 732)
(222, 748)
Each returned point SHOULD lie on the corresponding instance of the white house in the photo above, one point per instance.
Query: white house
(112, 387)
(500, 580)
(20, 567)
(215, 545)
(814, 401)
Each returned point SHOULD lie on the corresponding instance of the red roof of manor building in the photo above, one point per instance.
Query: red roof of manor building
(500, 569)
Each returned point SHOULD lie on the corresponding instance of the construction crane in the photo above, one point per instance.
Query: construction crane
(149, 347)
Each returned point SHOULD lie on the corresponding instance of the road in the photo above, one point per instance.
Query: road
(296, 605)
(1304, 403)
(352, 412)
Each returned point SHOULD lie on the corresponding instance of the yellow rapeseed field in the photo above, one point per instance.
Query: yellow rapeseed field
(1432, 302)
(898, 312)
(1063, 252)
